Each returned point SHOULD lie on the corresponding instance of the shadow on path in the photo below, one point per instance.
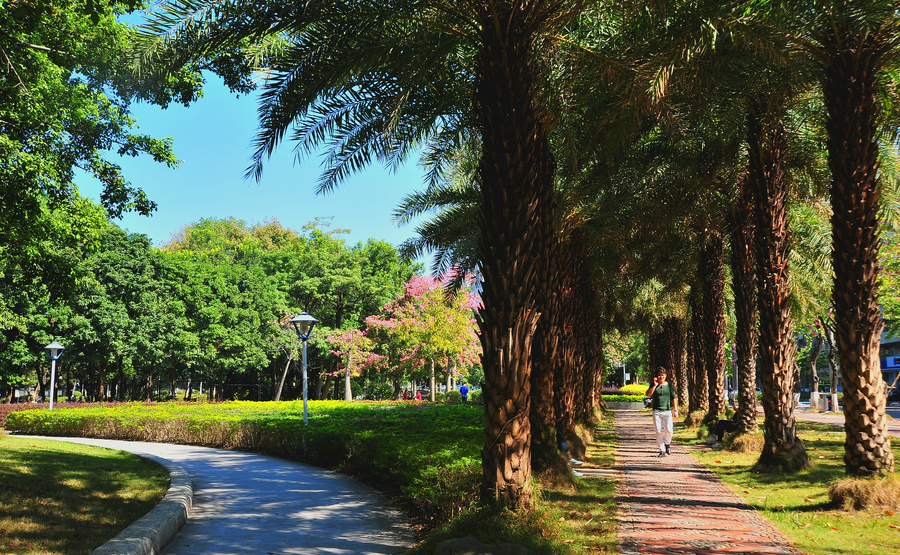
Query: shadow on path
(674, 505)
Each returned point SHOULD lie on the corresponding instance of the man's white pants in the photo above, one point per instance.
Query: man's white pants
(663, 421)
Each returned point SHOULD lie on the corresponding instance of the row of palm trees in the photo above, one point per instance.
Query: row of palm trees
(606, 150)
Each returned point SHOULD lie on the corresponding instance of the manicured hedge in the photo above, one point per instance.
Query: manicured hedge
(429, 453)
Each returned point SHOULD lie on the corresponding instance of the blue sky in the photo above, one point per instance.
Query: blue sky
(212, 139)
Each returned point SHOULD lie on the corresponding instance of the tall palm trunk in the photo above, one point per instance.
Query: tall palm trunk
(850, 84)
(545, 358)
(699, 380)
(777, 349)
(674, 330)
(516, 212)
(713, 277)
(743, 285)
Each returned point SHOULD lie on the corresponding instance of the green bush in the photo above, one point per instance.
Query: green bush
(623, 398)
(634, 389)
(475, 396)
(453, 396)
(380, 443)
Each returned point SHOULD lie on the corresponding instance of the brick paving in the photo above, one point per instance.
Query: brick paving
(673, 505)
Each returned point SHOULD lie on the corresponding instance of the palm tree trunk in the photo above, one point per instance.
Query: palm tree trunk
(516, 214)
(744, 287)
(777, 349)
(852, 125)
(674, 330)
(699, 380)
(814, 370)
(713, 277)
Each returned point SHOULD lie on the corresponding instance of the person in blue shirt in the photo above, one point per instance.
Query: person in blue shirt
(464, 391)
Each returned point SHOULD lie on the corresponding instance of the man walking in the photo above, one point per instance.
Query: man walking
(662, 396)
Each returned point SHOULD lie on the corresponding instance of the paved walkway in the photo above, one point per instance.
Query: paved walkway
(673, 505)
(250, 503)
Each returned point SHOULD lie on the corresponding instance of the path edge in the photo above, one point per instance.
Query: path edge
(149, 534)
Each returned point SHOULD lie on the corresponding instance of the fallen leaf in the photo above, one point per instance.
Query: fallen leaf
(568, 541)
(893, 526)
(889, 512)
(809, 499)
(745, 491)
(718, 462)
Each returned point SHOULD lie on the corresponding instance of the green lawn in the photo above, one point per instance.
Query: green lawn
(58, 497)
(798, 504)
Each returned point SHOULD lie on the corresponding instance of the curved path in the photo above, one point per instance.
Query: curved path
(675, 505)
(250, 503)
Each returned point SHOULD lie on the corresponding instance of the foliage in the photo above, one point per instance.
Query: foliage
(64, 98)
(634, 389)
(60, 497)
(385, 443)
(423, 324)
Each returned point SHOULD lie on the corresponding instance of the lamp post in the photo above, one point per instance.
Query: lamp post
(54, 350)
(304, 324)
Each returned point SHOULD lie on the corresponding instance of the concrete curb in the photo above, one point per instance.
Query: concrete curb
(153, 531)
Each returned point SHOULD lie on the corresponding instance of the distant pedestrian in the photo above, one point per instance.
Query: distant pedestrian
(405, 395)
(662, 396)
(464, 391)
(418, 395)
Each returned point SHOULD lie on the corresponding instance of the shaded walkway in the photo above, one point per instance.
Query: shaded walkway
(250, 503)
(674, 505)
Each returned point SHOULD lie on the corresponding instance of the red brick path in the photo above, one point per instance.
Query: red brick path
(674, 505)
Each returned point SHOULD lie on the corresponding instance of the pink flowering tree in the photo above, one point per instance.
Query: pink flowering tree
(421, 327)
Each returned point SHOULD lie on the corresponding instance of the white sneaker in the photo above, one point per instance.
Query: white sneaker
(716, 445)
(575, 462)
(576, 473)
(711, 439)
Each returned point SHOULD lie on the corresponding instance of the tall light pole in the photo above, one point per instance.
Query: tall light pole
(54, 351)
(304, 324)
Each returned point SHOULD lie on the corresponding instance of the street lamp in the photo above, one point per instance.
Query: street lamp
(304, 324)
(54, 350)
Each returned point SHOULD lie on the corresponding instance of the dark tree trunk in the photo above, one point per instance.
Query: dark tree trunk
(674, 331)
(743, 285)
(777, 349)
(699, 380)
(713, 277)
(854, 58)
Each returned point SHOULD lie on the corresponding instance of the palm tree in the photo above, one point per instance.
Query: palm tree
(777, 349)
(857, 41)
(377, 79)
(744, 287)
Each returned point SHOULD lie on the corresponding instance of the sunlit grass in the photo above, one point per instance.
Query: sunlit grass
(799, 503)
(58, 497)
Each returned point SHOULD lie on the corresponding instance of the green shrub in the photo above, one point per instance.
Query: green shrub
(453, 396)
(439, 397)
(623, 398)
(446, 490)
(634, 389)
(475, 396)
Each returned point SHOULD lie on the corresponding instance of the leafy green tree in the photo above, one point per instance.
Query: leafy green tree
(64, 97)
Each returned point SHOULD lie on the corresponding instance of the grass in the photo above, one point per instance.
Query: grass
(569, 516)
(426, 457)
(799, 504)
(58, 497)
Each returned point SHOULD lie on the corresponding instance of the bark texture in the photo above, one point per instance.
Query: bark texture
(516, 211)
(743, 285)
(854, 58)
(712, 261)
(777, 349)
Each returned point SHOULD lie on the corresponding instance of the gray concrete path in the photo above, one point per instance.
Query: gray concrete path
(250, 503)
